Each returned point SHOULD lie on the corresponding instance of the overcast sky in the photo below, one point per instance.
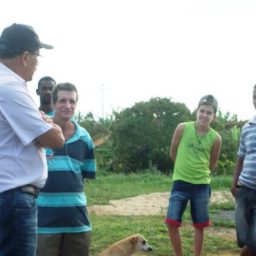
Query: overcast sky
(118, 52)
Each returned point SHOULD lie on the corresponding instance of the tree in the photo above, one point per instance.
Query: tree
(100, 133)
(229, 128)
(139, 137)
(142, 134)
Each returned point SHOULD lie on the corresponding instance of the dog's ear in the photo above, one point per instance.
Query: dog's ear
(134, 239)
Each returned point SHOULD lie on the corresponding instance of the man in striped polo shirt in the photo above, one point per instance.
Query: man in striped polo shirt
(63, 224)
(244, 187)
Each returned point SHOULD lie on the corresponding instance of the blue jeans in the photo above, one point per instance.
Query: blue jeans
(245, 215)
(199, 197)
(18, 224)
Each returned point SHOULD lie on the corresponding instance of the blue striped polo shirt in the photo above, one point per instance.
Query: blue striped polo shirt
(62, 203)
(247, 150)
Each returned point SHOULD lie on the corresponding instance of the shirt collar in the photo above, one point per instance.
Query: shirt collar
(11, 73)
(253, 120)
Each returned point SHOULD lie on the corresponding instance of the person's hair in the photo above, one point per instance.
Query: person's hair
(210, 101)
(63, 87)
(45, 78)
(10, 54)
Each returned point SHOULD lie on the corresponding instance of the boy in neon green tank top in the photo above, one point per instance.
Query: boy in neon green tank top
(195, 150)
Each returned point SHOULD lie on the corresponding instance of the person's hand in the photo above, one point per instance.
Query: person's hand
(46, 118)
(233, 190)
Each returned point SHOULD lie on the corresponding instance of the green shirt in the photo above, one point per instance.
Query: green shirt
(193, 155)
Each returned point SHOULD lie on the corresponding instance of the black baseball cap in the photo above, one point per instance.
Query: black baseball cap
(209, 100)
(19, 38)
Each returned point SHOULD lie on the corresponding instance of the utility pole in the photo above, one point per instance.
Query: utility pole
(102, 101)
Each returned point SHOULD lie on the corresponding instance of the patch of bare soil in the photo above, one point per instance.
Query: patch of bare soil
(148, 204)
(156, 204)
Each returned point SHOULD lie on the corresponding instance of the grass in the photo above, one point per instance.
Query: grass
(118, 186)
(108, 229)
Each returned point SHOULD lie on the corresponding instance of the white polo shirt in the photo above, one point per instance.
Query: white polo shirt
(21, 160)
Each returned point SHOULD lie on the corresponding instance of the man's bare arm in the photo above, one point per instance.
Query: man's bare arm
(176, 140)
(52, 138)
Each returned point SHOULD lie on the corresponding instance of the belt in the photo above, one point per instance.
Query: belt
(30, 189)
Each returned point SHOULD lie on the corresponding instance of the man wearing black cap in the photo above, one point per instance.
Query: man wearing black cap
(24, 131)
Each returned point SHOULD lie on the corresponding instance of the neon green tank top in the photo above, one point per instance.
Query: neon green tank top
(193, 156)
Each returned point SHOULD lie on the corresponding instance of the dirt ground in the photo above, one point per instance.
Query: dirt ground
(156, 204)
(147, 204)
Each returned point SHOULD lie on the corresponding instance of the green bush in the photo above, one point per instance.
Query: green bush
(139, 138)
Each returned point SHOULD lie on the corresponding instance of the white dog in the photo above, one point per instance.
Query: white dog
(128, 246)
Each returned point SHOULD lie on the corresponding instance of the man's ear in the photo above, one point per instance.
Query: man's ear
(24, 58)
(37, 91)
